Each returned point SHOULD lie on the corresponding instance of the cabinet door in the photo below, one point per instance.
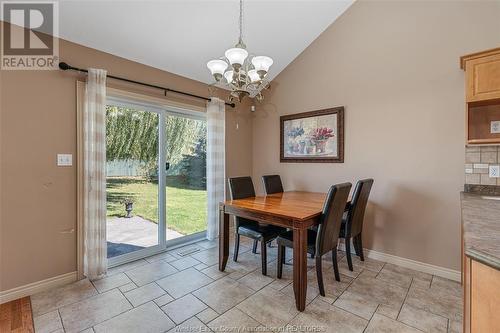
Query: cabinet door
(483, 78)
(466, 287)
(485, 298)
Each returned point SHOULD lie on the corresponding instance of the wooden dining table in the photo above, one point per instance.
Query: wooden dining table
(296, 210)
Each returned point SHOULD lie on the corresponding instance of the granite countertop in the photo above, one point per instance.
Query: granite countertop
(481, 228)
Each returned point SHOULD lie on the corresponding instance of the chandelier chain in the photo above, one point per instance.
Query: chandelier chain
(241, 20)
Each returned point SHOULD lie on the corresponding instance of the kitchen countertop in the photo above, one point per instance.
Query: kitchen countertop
(481, 228)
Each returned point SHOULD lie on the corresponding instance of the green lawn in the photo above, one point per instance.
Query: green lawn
(186, 207)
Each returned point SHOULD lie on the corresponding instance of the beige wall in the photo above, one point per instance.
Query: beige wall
(38, 199)
(394, 66)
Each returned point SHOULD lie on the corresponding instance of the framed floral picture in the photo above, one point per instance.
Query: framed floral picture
(316, 136)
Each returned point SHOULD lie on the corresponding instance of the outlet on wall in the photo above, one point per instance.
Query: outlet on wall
(64, 160)
(495, 127)
(494, 171)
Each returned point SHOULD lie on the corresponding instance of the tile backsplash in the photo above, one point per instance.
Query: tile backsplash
(477, 163)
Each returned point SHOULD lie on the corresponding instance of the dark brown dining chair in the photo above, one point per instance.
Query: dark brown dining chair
(325, 238)
(240, 188)
(352, 222)
(272, 184)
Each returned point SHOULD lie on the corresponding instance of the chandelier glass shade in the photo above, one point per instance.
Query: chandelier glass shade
(240, 72)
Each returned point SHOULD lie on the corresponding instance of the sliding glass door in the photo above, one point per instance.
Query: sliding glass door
(155, 178)
(186, 194)
(132, 181)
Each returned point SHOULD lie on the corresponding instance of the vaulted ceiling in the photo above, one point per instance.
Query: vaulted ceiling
(180, 36)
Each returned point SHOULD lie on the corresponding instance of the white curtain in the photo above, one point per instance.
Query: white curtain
(216, 155)
(94, 173)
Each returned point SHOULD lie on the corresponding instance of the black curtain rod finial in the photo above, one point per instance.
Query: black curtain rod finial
(64, 66)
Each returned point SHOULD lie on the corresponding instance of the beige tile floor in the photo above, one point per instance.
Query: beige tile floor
(170, 293)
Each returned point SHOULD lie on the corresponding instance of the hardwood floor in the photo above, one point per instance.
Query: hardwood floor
(16, 316)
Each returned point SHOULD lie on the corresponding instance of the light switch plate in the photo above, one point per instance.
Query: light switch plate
(64, 160)
(495, 127)
(494, 171)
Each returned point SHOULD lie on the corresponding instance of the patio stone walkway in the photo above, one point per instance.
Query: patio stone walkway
(130, 234)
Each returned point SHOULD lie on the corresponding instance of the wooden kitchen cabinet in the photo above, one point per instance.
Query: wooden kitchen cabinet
(482, 71)
(466, 288)
(481, 297)
(482, 91)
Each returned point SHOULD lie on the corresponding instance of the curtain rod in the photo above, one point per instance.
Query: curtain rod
(64, 66)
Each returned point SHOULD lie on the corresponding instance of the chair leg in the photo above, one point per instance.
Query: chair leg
(263, 253)
(280, 261)
(319, 276)
(360, 248)
(236, 247)
(335, 265)
(355, 245)
(254, 249)
(348, 252)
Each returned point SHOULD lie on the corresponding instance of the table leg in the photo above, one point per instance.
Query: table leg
(223, 238)
(300, 267)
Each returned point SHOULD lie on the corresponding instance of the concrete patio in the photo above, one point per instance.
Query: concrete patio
(126, 235)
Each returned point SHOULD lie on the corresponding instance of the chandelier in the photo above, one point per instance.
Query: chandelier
(241, 73)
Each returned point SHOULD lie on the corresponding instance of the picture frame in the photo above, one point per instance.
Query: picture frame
(313, 137)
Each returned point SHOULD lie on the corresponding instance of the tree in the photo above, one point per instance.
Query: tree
(194, 166)
(133, 135)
